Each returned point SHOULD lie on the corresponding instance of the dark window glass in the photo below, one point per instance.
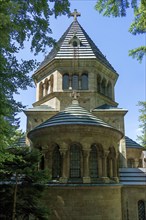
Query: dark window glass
(84, 81)
(93, 162)
(109, 90)
(66, 81)
(42, 163)
(75, 161)
(130, 163)
(75, 82)
(56, 163)
(75, 44)
(141, 210)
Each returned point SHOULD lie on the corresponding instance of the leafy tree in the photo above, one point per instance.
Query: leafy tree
(119, 8)
(22, 185)
(142, 119)
(21, 21)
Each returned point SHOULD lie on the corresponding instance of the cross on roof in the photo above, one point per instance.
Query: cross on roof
(75, 95)
(75, 14)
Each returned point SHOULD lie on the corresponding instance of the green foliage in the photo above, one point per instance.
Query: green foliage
(142, 119)
(21, 175)
(21, 21)
(119, 8)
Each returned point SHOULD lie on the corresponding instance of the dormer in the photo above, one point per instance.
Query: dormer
(75, 41)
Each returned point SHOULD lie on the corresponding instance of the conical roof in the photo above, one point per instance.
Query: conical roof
(86, 50)
(73, 115)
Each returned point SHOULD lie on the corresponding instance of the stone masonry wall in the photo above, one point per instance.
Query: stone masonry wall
(84, 202)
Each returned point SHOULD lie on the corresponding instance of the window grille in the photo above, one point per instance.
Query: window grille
(141, 210)
(56, 163)
(93, 165)
(75, 162)
(66, 81)
(84, 81)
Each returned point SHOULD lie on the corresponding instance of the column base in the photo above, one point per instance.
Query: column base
(86, 180)
(116, 179)
(63, 179)
(105, 179)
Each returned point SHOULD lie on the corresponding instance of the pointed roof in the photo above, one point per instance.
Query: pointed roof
(86, 50)
(73, 115)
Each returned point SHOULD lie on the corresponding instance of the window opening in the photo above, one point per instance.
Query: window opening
(84, 81)
(75, 82)
(141, 210)
(75, 44)
(130, 163)
(65, 81)
(56, 163)
(75, 162)
(93, 165)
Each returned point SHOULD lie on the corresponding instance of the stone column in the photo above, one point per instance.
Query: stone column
(80, 79)
(110, 168)
(46, 159)
(106, 90)
(44, 89)
(86, 177)
(99, 160)
(136, 162)
(70, 81)
(115, 171)
(63, 178)
(104, 177)
(49, 161)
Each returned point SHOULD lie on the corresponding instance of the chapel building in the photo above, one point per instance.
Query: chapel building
(97, 173)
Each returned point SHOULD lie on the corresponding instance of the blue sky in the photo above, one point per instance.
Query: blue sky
(111, 36)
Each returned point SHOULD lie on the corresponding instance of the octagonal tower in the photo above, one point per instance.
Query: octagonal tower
(76, 124)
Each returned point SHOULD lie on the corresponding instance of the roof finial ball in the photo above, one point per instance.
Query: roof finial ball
(75, 14)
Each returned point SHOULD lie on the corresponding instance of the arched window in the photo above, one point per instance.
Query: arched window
(109, 89)
(75, 82)
(75, 43)
(84, 81)
(65, 81)
(99, 83)
(93, 165)
(103, 87)
(56, 163)
(46, 86)
(141, 210)
(75, 161)
(130, 163)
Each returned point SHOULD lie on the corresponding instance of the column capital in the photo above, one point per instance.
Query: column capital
(105, 153)
(63, 151)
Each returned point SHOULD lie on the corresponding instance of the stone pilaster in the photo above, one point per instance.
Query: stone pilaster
(64, 178)
(104, 177)
(99, 160)
(86, 177)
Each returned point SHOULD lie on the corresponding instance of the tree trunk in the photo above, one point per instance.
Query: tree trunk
(15, 198)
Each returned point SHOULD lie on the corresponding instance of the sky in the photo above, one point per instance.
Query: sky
(111, 36)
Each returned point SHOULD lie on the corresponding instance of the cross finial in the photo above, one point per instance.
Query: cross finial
(75, 95)
(75, 14)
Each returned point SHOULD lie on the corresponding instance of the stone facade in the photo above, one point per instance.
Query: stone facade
(78, 127)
